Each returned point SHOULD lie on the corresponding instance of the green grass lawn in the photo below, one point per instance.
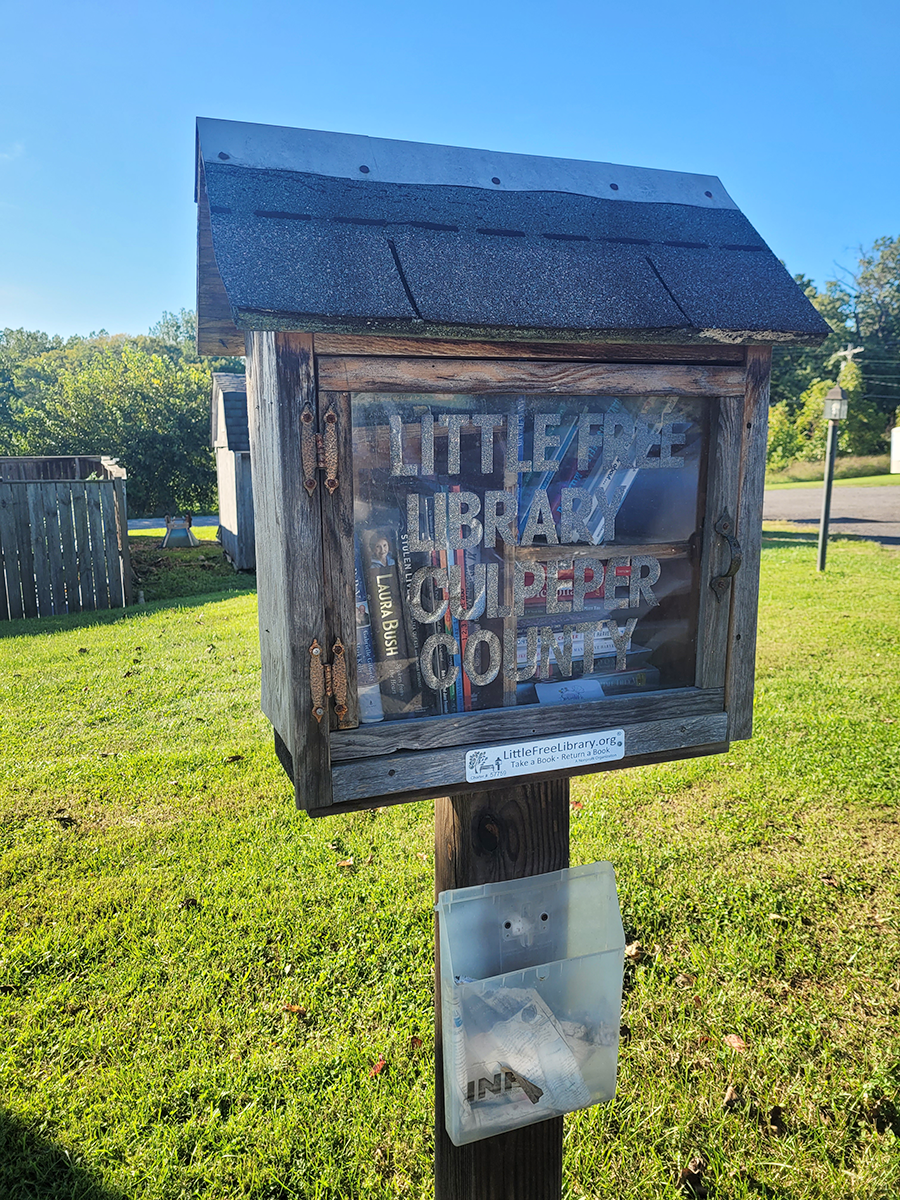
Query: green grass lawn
(196, 982)
(855, 468)
(852, 481)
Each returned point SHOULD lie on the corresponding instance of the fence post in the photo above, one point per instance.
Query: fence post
(122, 530)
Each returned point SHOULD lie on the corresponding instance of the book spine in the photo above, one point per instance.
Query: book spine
(643, 679)
(368, 691)
(396, 669)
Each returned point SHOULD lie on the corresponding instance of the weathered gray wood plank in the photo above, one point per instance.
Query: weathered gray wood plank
(338, 543)
(10, 576)
(216, 332)
(640, 760)
(442, 770)
(288, 554)
(121, 507)
(83, 554)
(345, 344)
(721, 496)
(524, 377)
(67, 540)
(40, 549)
(50, 498)
(486, 837)
(246, 529)
(26, 551)
(433, 733)
(745, 586)
(98, 548)
(111, 545)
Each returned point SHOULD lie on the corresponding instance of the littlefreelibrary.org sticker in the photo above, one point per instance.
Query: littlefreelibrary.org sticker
(547, 754)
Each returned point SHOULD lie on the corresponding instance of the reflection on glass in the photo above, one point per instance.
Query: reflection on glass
(523, 549)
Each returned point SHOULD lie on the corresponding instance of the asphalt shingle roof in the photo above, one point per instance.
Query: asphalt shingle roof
(233, 392)
(329, 232)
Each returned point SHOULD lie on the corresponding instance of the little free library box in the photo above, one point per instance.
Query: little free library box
(508, 430)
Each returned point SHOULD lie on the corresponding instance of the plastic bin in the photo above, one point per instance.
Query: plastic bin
(531, 996)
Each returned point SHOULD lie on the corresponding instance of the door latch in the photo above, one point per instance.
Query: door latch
(725, 528)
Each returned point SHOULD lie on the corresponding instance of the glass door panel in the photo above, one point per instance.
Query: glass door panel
(522, 549)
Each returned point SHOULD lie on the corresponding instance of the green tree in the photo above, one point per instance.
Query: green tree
(142, 408)
(796, 368)
(862, 353)
(875, 289)
(143, 399)
(803, 436)
(784, 441)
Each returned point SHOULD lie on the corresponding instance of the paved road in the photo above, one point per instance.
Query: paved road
(869, 512)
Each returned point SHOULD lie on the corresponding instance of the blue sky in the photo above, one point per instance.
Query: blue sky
(794, 105)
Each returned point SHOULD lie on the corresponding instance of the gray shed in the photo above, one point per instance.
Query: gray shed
(230, 440)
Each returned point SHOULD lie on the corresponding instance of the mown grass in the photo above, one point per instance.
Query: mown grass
(847, 466)
(193, 571)
(849, 481)
(196, 981)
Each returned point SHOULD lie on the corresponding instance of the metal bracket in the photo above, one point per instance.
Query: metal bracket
(328, 679)
(725, 528)
(319, 452)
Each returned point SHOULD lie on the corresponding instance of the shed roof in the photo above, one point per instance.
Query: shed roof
(229, 427)
(340, 233)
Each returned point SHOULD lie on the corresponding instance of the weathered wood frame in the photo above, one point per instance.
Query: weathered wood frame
(305, 555)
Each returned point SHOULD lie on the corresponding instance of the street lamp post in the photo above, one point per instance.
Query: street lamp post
(835, 410)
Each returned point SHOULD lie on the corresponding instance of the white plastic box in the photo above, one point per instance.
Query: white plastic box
(531, 995)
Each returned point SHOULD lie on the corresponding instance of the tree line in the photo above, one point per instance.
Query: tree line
(145, 399)
(861, 355)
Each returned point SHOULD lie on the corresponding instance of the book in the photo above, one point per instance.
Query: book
(592, 687)
(368, 691)
(396, 665)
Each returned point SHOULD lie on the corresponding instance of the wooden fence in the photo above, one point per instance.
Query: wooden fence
(63, 546)
(25, 468)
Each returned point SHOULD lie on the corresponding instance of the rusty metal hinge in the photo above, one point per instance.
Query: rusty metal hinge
(319, 451)
(328, 679)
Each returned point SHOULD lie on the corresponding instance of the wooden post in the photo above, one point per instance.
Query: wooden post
(486, 837)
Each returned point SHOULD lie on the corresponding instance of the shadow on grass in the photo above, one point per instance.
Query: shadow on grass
(28, 627)
(797, 537)
(33, 1168)
(785, 537)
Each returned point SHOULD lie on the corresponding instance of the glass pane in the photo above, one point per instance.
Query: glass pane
(524, 549)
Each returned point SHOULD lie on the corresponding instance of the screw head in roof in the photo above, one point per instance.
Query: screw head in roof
(495, 180)
(614, 186)
(364, 169)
